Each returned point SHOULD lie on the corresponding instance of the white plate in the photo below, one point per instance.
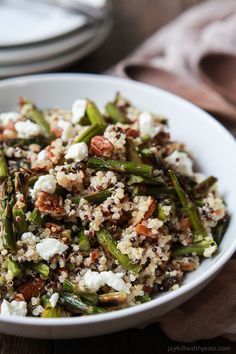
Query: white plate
(23, 22)
(57, 62)
(211, 144)
(37, 52)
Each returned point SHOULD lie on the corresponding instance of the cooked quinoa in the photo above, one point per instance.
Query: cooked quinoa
(98, 211)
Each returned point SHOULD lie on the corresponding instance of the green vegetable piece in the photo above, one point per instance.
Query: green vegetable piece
(120, 166)
(41, 268)
(83, 241)
(95, 197)
(143, 299)
(36, 218)
(75, 305)
(20, 223)
(161, 213)
(115, 114)
(132, 153)
(13, 267)
(89, 133)
(190, 209)
(220, 229)
(146, 152)
(157, 192)
(30, 111)
(88, 297)
(3, 165)
(43, 141)
(94, 115)
(154, 181)
(198, 248)
(6, 218)
(110, 246)
(51, 312)
(68, 286)
(201, 189)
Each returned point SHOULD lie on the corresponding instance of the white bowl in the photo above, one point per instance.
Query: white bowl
(211, 144)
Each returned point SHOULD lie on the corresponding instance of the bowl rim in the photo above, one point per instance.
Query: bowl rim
(167, 297)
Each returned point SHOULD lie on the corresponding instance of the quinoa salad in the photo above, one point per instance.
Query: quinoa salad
(99, 210)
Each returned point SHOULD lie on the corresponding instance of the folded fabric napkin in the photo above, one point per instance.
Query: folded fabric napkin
(209, 314)
(175, 53)
(178, 49)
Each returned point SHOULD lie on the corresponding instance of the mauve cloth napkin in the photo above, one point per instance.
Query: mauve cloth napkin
(177, 47)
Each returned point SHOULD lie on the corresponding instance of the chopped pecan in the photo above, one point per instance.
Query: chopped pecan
(142, 229)
(188, 266)
(184, 224)
(151, 209)
(32, 288)
(19, 297)
(54, 151)
(50, 204)
(131, 132)
(42, 166)
(10, 125)
(141, 214)
(94, 255)
(57, 131)
(101, 146)
(55, 228)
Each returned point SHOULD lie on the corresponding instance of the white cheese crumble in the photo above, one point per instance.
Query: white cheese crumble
(28, 236)
(94, 281)
(5, 118)
(54, 299)
(49, 247)
(42, 155)
(67, 130)
(181, 163)
(14, 308)
(147, 125)
(78, 110)
(77, 152)
(27, 129)
(47, 183)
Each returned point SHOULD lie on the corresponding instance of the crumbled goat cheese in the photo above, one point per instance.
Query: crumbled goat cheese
(47, 183)
(42, 155)
(78, 110)
(53, 299)
(77, 152)
(27, 129)
(147, 125)
(49, 247)
(28, 236)
(181, 163)
(67, 129)
(5, 118)
(94, 281)
(14, 308)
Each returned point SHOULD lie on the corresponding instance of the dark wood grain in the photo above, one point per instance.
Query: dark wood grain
(134, 21)
(150, 340)
(16, 345)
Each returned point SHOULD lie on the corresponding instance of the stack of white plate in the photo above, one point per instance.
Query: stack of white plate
(38, 36)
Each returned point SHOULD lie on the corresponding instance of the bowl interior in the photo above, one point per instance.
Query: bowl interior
(212, 146)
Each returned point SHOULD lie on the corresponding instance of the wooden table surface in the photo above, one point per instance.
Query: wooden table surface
(134, 20)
